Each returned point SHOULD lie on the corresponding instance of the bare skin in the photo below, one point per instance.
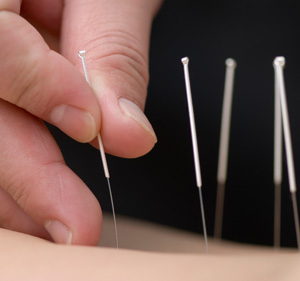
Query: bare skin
(41, 79)
(25, 257)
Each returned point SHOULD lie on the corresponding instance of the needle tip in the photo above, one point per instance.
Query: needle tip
(279, 61)
(185, 60)
(230, 62)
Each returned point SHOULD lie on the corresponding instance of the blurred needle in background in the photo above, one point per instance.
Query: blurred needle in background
(279, 63)
(224, 146)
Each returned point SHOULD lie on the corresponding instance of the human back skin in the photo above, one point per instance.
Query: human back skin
(26, 257)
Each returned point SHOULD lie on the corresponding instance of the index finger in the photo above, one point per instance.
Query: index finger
(43, 82)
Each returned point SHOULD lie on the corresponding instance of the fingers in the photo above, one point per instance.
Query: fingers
(44, 13)
(14, 218)
(45, 16)
(115, 35)
(34, 174)
(43, 82)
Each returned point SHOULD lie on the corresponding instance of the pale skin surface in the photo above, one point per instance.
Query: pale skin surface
(43, 80)
(26, 257)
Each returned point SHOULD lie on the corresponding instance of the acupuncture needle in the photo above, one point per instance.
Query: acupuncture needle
(279, 63)
(185, 62)
(82, 54)
(277, 163)
(224, 145)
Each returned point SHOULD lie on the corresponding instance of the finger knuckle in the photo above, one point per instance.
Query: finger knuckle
(120, 51)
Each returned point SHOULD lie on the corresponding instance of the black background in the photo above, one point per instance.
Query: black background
(160, 186)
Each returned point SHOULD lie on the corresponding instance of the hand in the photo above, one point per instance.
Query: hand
(39, 194)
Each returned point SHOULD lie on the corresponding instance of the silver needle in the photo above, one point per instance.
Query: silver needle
(277, 163)
(81, 54)
(279, 64)
(224, 145)
(185, 62)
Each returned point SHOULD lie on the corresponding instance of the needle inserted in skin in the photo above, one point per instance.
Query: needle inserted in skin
(277, 164)
(185, 62)
(81, 54)
(224, 146)
(279, 64)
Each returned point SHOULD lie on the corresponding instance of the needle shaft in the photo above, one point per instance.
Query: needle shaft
(277, 215)
(203, 220)
(81, 54)
(219, 210)
(296, 218)
(279, 63)
(185, 62)
(277, 164)
(224, 146)
(114, 214)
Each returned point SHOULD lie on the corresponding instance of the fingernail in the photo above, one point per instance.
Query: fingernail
(131, 110)
(75, 122)
(59, 232)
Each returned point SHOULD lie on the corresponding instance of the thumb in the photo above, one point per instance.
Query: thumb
(115, 35)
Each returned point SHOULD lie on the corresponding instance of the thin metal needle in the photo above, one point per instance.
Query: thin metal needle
(277, 215)
(82, 54)
(203, 219)
(279, 63)
(277, 164)
(296, 218)
(185, 62)
(224, 146)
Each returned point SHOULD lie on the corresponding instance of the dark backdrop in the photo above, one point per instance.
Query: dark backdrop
(161, 187)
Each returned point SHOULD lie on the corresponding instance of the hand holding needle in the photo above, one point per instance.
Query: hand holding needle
(82, 54)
